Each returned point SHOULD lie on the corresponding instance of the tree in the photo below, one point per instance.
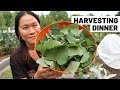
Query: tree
(76, 15)
(107, 15)
(59, 15)
(13, 17)
(45, 20)
(8, 18)
(2, 20)
(118, 14)
(90, 14)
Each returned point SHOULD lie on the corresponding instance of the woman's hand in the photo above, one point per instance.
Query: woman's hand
(46, 72)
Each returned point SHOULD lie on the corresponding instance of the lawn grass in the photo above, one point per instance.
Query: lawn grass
(6, 75)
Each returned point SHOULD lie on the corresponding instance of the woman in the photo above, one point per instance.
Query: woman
(23, 59)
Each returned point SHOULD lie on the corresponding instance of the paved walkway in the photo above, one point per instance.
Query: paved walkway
(4, 65)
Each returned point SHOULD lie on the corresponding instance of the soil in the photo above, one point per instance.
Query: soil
(109, 69)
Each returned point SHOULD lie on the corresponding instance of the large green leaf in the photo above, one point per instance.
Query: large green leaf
(72, 67)
(52, 64)
(71, 38)
(85, 57)
(84, 44)
(48, 62)
(62, 55)
(52, 43)
(42, 62)
(59, 54)
(75, 51)
(84, 49)
(57, 37)
(41, 47)
(50, 54)
(89, 42)
(64, 31)
(76, 32)
(91, 56)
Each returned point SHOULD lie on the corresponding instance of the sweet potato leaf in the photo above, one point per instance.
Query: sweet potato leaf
(52, 64)
(52, 43)
(89, 42)
(84, 49)
(91, 56)
(64, 31)
(62, 55)
(76, 32)
(59, 54)
(71, 38)
(41, 47)
(85, 57)
(42, 62)
(72, 51)
(50, 54)
(72, 67)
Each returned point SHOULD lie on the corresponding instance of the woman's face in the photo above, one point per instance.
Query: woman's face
(29, 28)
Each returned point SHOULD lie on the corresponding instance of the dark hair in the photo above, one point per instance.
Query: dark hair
(19, 15)
(23, 49)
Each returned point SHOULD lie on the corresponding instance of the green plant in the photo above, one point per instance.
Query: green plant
(8, 42)
(69, 49)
